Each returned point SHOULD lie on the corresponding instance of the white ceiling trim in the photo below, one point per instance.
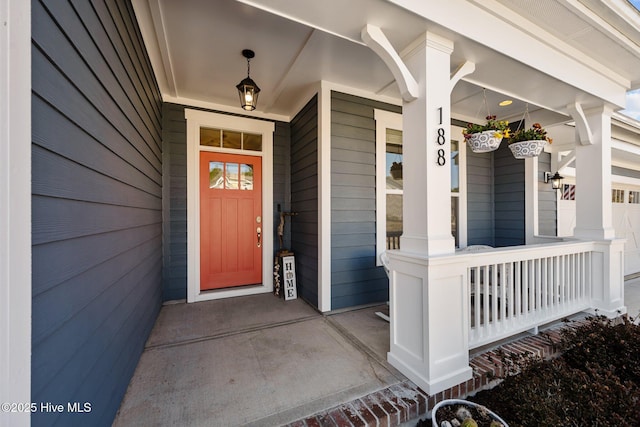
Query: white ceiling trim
(602, 83)
(549, 40)
(282, 83)
(281, 13)
(595, 20)
(163, 47)
(150, 35)
(189, 102)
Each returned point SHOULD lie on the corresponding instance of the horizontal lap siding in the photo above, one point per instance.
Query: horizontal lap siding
(97, 199)
(547, 200)
(304, 199)
(479, 198)
(174, 144)
(355, 278)
(509, 190)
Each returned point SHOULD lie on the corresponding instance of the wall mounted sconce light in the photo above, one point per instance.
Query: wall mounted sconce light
(248, 90)
(556, 180)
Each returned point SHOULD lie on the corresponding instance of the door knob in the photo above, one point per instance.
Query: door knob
(259, 235)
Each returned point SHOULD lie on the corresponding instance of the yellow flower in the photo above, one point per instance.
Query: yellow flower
(497, 135)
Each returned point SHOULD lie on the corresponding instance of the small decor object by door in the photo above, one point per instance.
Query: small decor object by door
(289, 276)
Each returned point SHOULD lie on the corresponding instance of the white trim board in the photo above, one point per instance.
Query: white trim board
(15, 209)
(195, 120)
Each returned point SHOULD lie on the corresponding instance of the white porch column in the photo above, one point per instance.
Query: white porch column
(428, 303)
(426, 216)
(594, 216)
(593, 177)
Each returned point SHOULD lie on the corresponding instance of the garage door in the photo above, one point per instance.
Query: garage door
(626, 220)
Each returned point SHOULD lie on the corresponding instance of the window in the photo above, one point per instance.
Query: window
(617, 195)
(455, 190)
(389, 184)
(393, 187)
(634, 197)
(221, 138)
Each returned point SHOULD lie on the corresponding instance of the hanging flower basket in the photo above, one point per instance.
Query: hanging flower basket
(447, 410)
(528, 142)
(484, 142)
(487, 137)
(524, 149)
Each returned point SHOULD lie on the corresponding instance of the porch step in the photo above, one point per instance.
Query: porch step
(405, 402)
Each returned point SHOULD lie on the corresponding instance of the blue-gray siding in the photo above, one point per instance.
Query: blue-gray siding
(304, 199)
(174, 142)
(97, 218)
(547, 204)
(355, 279)
(509, 207)
(480, 209)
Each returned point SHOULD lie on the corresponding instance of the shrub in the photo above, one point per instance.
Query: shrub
(595, 381)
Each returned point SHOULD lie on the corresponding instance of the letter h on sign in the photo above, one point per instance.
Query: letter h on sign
(289, 275)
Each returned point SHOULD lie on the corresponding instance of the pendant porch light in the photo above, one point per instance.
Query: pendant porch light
(248, 90)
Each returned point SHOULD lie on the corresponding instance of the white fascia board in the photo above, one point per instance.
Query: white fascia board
(562, 61)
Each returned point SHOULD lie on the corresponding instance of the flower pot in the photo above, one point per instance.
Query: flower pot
(484, 142)
(524, 149)
(396, 171)
(436, 422)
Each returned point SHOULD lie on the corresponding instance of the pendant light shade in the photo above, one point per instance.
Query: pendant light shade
(248, 90)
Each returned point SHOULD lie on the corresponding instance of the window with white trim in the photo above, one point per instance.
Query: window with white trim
(389, 185)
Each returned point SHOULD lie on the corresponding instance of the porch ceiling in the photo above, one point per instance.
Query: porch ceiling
(195, 48)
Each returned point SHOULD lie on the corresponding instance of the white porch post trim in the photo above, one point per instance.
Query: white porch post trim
(15, 209)
(531, 199)
(427, 183)
(594, 216)
(429, 310)
(324, 198)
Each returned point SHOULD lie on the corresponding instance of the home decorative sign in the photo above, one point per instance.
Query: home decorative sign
(289, 276)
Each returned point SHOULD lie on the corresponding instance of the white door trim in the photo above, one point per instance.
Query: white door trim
(195, 120)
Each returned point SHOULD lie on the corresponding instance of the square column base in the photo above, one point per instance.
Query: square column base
(429, 320)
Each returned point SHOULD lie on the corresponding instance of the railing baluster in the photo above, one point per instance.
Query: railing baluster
(508, 297)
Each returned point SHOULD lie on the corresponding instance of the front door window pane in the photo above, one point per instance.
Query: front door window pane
(246, 177)
(231, 179)
(216, 175)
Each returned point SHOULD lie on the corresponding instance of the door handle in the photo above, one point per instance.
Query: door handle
(259, 235)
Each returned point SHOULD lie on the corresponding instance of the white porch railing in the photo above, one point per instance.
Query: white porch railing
(515, 289)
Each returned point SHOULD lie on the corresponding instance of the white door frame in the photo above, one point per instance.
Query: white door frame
(195, 120)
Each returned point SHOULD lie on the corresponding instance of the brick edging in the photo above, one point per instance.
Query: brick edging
(405, 401)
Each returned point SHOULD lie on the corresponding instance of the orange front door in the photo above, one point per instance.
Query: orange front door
(230, 220)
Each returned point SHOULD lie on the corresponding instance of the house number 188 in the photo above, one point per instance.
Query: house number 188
(441, 140)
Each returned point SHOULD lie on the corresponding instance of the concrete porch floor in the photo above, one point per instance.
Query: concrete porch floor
(261, 361)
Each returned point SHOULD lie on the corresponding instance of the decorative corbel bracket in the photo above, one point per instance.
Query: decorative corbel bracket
(584, 131)
(378, 42)
(463, 70)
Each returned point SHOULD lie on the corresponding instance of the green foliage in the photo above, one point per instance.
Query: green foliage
(500, 126)
(535, 133)
(595, 381)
